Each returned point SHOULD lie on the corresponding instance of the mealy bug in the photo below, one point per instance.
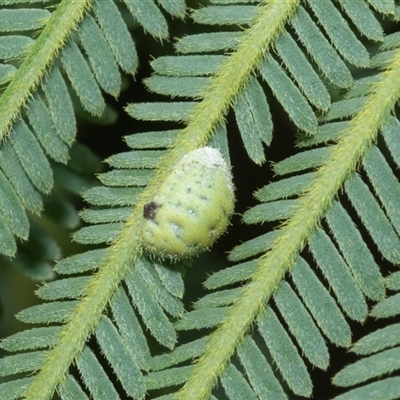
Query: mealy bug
(192, 207)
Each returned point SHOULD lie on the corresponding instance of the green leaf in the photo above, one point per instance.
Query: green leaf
(146, 140)
(200, 319)
(389, 134)
(289, 96)
(12, 210)
(187, 65)
(225, 15)
(259, 372)
(374, 218)
(100, 57)
(70, 288)
(94, 376)
(21, 362)
(168, 302)
(149, 16)
(171, 278)
(284, 188)
(340, 33)
(363, 18)
(271, 211)
(254, 120)
(326, 133)
(83, 262)
(392, 281)
(208, 42)
(378, 340)
(356, 253)
(47, 312)
(70, 390)
(15, 389)
(369, 367)
(321, 304)
(302, 161)
(31, 339)
(104, 233)
(177, 86)
(174, 7)
(60, 105)
(117, 35)
(82, 79)
(41, 121)
(14, 46)
(284, 353)
(181, 353)
(151, 312)
(104, 216)
(344, 108)
(386, 388)
(302, 326)
(338, 275)
(122, 361)
(320, 49)
(103, 196)
(227, 276)
(178, 111)
(22, 19)
(385, 184)
(388, 307)
(383, 6)
(130, 330)
(236, 387)
(6, 73)
(33, 161)
(217, 299)
(302, 71)
(252, 247)
(170, 377)
(126, 177)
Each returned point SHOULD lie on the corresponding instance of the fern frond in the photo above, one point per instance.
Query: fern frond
(378, 353)
(336, 164)
(287, 50)
(39, 57)
(153, 290)
(36, 255)
(142, 293)
(222, 91)
(36, 108)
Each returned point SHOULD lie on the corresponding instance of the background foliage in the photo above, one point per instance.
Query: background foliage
(299, 298)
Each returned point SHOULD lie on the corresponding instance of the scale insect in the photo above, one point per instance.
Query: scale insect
(192, 207)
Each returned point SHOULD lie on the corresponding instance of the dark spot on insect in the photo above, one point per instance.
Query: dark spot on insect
(150, 210)
(188, 189)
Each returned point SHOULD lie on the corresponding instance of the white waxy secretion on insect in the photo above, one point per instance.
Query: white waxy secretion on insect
(192, 207)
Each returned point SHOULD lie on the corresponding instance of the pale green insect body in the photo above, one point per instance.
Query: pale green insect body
(192, 207)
